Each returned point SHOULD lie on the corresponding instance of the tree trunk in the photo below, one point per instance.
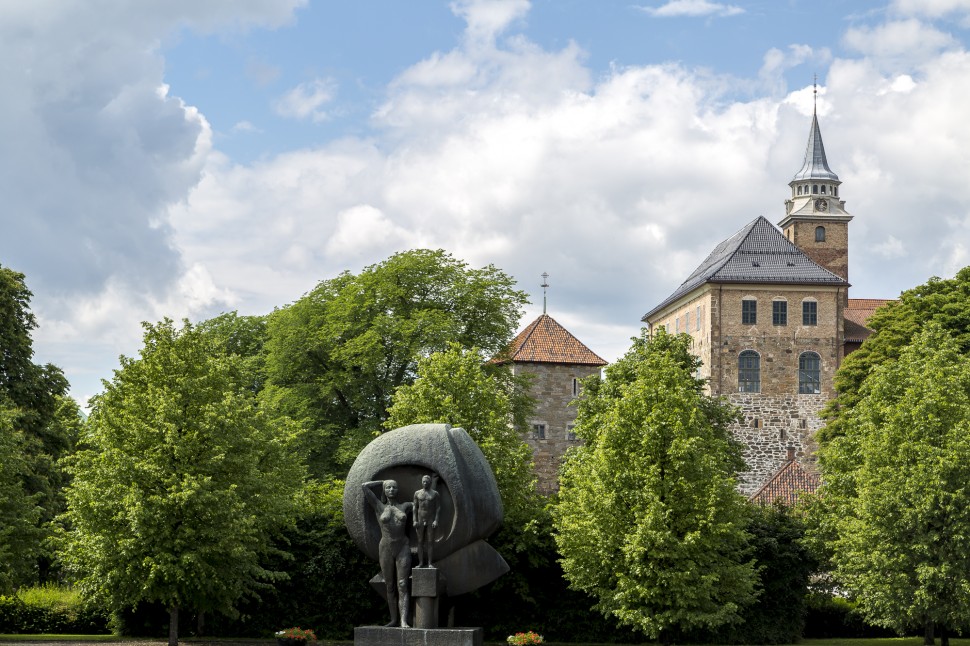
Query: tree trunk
(928, 638)
(200, 624)
(173, 626)
(944, 636)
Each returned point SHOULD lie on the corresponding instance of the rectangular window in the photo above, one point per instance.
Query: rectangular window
(779, 312)
(749, 312)
(538, 431)
(575, 387)
(809, 313)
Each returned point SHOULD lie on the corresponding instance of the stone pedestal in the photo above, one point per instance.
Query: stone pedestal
(380, 636)
(426, 588)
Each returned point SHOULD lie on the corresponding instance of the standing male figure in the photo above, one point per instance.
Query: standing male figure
(426, 508)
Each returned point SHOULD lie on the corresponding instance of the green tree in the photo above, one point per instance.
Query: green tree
(456, 387)
(336, 356)
(182, 481)
(242, 336)
(946, 302)
(648, 520)
(895, 488)
(19, 514)
(38, 410)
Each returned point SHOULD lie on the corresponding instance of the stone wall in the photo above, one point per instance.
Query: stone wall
(553, 389)
(771, 425)
(832, 253)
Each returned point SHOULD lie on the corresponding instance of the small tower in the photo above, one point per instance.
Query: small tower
(815, 217)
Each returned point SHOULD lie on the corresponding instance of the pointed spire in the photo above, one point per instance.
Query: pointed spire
(815, 166)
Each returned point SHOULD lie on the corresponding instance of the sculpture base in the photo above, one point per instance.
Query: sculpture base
(381, 636)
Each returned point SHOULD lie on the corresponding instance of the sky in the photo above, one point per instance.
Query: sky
(184, 158)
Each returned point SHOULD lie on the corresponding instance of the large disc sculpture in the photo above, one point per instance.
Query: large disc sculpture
(387, 474)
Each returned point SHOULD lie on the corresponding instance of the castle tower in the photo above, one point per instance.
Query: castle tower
(815, 217)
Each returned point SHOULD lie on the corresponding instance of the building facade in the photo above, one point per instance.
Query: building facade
(767, 312)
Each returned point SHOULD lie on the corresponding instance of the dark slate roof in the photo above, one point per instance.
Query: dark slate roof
(789, 482)
(546, 341)
(758, 253)
(815, 165)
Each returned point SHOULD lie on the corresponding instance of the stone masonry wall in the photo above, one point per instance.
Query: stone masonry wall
(771, 425)
(552, 387)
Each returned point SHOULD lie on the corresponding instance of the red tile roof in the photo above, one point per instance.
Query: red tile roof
(786, 485)
(858, 310)
(545, 341)
(857, 314)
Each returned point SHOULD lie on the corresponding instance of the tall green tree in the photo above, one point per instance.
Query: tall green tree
(944, 301)
(39, 412)
(20, 535)
(182, 482)
(648, 520)
(336, 356)
(895, 488)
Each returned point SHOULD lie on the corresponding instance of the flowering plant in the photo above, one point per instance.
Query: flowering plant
(524, 639)
(296, 633)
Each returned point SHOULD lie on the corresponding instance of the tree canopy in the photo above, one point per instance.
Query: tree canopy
(182, 481)
(944, 301)
(648, 520)
(19, 514)
(895, 487)
(336, 356)
(456, 387)
(38, 413)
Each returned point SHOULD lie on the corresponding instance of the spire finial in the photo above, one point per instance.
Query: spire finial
(545, 286)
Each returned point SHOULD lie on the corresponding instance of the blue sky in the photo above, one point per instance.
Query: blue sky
(183, 158)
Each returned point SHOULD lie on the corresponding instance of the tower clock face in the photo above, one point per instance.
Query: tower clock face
(821, 205)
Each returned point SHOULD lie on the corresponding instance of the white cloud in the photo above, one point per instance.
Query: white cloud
(306, 100)
(889, 248)
(486, 19)
(899, 41)
(931, 8)
(245, 126)
(692, 8)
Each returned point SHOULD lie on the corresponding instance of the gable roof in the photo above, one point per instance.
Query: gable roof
(758, 253)
(786, 485)
(546, 341)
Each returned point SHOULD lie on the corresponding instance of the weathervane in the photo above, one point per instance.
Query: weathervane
(815, 93)
(545, 286)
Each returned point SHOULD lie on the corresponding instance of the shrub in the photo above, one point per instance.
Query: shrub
(50, 609)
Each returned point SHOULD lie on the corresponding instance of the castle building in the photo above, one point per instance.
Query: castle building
(769, 315)
(557, 362)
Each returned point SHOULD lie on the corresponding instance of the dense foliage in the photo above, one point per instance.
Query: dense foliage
(896, 488)
(335, 357)
(945, 302)
(648, 519)
(51, 609)
(39, 425)
(182, 481)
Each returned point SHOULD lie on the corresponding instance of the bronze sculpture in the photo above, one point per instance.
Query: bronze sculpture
(394, 549)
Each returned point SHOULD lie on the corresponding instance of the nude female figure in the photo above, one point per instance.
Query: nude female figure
(394, 550)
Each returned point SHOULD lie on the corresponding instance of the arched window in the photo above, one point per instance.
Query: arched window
(749, 372)
(799, 190)
(809, 373)
(814, 188)
(835, 191)
(819, 234)
(823, 189)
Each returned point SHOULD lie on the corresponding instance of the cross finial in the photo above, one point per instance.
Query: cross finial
(545, 286)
